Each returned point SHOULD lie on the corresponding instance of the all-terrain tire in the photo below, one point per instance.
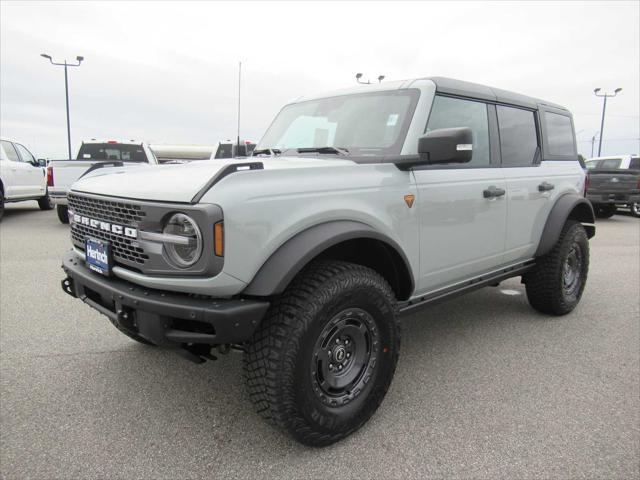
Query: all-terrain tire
(63, 213)
(45, 202)
(605, 211)
(283, 362)
(556, 283)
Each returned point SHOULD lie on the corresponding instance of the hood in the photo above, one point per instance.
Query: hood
(179, 183)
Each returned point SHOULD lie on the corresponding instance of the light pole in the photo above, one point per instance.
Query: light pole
(66, 90)
(604, 109)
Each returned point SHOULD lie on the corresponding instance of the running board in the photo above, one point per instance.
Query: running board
(467, 286)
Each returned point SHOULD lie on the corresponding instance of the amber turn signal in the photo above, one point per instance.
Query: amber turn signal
(218, 239)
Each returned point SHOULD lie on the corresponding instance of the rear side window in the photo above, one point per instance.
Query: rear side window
(10, 151)
(559, 134)
(453, 112)
(518, 137)
(634, 164)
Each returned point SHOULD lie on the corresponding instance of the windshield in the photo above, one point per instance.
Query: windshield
(112, 151)
(363, 124)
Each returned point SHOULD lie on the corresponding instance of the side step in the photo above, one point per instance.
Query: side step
(467, 286)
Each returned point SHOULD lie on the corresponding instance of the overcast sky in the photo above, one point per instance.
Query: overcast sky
(167, 72)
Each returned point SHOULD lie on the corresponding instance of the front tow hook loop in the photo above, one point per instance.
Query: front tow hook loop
(67, 287)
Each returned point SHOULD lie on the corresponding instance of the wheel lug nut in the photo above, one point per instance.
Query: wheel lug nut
(337, 340)
(329, 352)
(339, 367)
(348, 355)
(346, 342)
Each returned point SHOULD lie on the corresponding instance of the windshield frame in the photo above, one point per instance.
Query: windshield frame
(395, 149)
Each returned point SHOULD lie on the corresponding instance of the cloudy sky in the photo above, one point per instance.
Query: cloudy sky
(167, 72)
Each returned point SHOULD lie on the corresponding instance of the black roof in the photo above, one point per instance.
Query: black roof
(483, 92)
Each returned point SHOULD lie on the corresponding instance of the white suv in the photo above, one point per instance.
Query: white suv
(22, 177)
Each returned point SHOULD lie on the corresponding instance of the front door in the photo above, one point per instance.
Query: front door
(32, 172)
(462, 208)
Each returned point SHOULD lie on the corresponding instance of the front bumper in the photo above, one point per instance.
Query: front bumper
(611, 198)
(163, 318)
(58, 198)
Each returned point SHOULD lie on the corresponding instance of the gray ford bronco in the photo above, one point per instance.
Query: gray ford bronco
(357, 206)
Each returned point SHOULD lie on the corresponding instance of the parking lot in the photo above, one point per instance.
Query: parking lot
(485, 388)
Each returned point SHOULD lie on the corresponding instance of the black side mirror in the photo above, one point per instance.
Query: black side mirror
(41, 162)
(446, 145)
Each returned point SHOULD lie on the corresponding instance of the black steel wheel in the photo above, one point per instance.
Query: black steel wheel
(322, 361)
(556, 283)
(344, 356)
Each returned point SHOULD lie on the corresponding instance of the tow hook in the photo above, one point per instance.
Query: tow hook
(67, 287)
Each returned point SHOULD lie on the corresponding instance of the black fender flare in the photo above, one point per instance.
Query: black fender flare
(568, 206)
(291, 257)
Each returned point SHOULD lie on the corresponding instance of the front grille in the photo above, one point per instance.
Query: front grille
(125, 250)
(122, 213)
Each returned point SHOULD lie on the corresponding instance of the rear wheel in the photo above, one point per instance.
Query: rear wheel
(605, 211)
(556, 283)
(323, 359)
(45, 202)
(1, 204)
(63, 213)
(635, 209)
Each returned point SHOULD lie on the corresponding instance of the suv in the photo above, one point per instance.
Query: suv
(614, 182)
(22, 177)
(357, 207)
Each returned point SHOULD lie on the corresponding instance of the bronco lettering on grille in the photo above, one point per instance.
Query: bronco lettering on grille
(105, 226)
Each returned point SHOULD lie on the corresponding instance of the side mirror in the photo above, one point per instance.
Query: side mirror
(446, 145)
(41, 162)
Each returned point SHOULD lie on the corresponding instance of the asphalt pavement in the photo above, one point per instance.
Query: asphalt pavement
(485, 387)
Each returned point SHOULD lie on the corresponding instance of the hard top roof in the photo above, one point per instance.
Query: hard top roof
(444, 85)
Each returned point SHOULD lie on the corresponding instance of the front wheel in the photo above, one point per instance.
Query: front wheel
(556, 283)
(63, 213)
(635, 209)
(323, 359)
(45, 202)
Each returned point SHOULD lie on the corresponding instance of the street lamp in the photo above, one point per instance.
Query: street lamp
(605, 95)
(79, 59)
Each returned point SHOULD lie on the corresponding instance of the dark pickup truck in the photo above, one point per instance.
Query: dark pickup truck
(614, 182)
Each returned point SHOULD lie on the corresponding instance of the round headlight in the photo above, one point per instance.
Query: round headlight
(183, 253)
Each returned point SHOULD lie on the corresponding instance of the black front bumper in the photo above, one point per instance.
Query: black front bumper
(161, 317)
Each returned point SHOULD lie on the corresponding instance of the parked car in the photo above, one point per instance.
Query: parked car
(182, 153)
(614, 182)
(22, 177)
(91, 155)
(356, 207)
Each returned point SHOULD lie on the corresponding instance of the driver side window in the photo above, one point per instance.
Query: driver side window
(448, 112)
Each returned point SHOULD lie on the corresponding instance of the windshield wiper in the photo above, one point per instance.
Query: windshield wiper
(267, 151)
(328, 150)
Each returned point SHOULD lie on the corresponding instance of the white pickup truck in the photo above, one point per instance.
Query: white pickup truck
(93, 154)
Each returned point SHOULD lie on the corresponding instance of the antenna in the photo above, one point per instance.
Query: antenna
(239, 90)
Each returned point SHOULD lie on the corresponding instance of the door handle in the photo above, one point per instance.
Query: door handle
(493, 192)
(545, 187)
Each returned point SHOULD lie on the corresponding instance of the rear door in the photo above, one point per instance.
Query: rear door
(462, 232)
(532, 185)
